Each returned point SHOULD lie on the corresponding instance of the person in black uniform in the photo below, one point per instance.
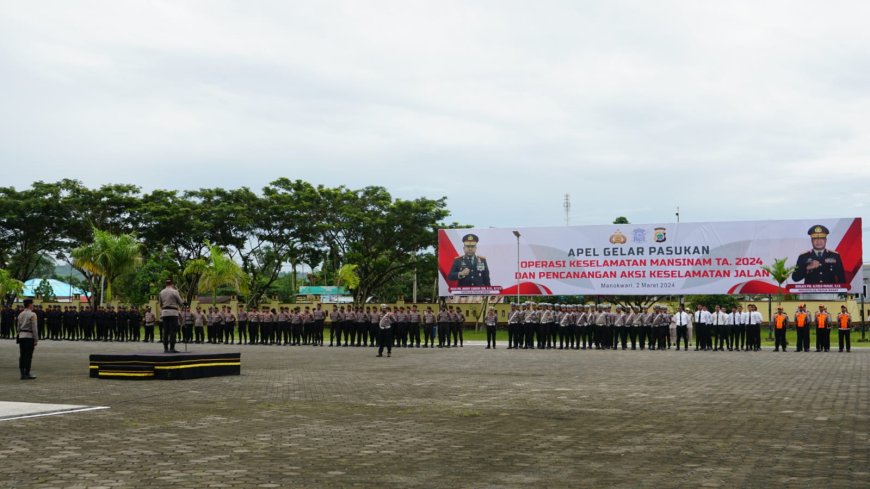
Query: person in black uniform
(470, 269)
(819, 265)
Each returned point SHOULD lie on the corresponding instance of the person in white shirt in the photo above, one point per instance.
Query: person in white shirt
(753, 329)
(718, 323)
(682, 319)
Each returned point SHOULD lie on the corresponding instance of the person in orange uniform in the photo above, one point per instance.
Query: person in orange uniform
(802, 327)
(823, 330)
(780, 323)
(844, 329)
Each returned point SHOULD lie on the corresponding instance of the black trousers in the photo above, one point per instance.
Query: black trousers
(845, 338)
(385, 339)
(823, 339)
(25, 357)
(490, 336)
(779, 339)
(149, 334)
(803, 338)
(683, 332)
(170, 331)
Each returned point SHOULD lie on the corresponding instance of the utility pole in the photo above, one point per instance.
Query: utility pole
(567, 206)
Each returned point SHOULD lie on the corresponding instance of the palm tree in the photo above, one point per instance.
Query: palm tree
(218, 270)
(779, 273)
(108, 256)
(10, 287)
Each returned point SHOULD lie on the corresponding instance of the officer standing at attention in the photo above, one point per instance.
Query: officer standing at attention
(150, 321)
(823, 328)
(844, 329)
(491, 322)
(385, 331)
(470, 269)
(682, 318)
(28, 337)
(414, 327)
(170, 308)
(819, 265)
(780, 325)
(429, 326)
(802, 327)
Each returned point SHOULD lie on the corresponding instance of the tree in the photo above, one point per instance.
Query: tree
(621, 220)
(711, 301)
(32, 226)
(382, 236)
(108, 256)
(45, 291)
(780, 273)
(10, 287)
(215, 271)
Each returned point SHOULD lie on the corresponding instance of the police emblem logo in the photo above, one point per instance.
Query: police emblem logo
(618, 238)
(661, 235)
(638, 235)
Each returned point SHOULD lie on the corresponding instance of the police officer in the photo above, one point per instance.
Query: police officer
(27, 338)
(491, 322)
(429, 325)
(844, 330)
(802, 322)
(823, 328)
(150, 321)
(819, 265)
(780, 326)
(413, 327)
(470, 269)
(170, 308)
(719, 326)
(385, 330)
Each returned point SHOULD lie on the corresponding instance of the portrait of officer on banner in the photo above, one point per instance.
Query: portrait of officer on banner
(470, 269)
(819, 265)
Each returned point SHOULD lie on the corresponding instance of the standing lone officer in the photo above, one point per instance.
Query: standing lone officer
(470, 269)
(819, 265)
(170, 308)
(28, 336)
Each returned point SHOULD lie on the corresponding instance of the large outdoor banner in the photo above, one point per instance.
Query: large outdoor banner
(653, 259)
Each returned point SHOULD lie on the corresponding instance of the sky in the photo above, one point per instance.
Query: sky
(728, 110)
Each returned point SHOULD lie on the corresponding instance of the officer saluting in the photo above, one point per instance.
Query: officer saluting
(819, 265)
(470, 269)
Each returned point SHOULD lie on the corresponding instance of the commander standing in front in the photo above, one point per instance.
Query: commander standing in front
(170, 308)
(28, 336)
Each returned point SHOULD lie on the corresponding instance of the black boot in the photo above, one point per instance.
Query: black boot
(25, 375)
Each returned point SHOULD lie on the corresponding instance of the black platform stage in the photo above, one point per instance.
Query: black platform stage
(168, 366)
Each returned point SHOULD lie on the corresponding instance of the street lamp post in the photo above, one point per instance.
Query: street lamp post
(517, 234)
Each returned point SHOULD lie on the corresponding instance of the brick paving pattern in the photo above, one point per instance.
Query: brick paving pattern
(463, 417)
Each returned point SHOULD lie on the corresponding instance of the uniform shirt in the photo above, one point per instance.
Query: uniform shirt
(780, 321)
(822, 320)
(150, 319)
(698, 317)
(754, 317)
(718, 319)
(170, 302)
(844, 321)
(602, 319)
(531, 317)
(198, 319)
(682, 318)
(516, 317)
(444, 317)
(386, 321)
(490, 319)
(414, 317)
(319, 314)
(801, 318)
(401, 317)
(28, 326)
(429, 317)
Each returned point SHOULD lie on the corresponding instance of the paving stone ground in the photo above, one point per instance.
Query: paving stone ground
(463, 417)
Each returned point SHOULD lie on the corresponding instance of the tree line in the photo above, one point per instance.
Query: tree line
(125, 242)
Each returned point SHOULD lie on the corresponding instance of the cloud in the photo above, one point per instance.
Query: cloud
(736, 110)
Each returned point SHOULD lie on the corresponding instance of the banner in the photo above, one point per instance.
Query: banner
(653, 259)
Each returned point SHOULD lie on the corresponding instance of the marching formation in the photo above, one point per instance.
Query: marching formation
(600, 327)
(530, 326)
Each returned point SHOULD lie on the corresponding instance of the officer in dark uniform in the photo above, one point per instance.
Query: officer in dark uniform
(470, 269)
(819, 265)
